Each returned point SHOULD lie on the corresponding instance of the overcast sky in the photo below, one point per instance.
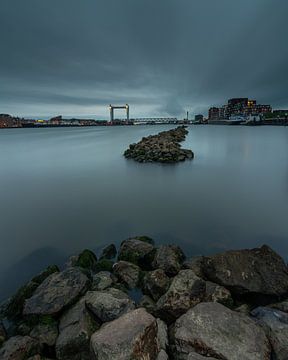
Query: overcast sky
(163, 57)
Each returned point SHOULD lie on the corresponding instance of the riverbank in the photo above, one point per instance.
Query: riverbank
(148, 302)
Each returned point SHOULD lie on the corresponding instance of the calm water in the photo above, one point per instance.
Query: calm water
(62, 190)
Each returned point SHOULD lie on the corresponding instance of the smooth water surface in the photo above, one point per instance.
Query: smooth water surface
(62, 190)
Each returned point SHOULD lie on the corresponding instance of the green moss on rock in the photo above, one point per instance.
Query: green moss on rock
(103, 265)
(86, 260)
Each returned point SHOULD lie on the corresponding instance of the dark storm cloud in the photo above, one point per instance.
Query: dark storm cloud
(162, 57)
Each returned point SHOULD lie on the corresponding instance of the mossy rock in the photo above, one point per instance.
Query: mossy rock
(86, 260)
(103, 265)
(146, 239)
(15, 306)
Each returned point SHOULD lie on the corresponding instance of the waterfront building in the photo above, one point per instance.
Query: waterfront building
(199, 118)
(213, 113)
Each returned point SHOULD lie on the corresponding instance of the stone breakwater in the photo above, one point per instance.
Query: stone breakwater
(229, 306)
(163, 147)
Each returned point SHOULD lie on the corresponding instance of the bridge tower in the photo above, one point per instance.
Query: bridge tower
(112, 108)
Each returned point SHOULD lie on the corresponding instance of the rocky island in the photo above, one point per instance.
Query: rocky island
(163, 147)
(229, 306)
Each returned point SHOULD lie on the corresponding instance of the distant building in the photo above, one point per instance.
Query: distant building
(239, 107)
(214, 113)
(199, 118)
(7, 121)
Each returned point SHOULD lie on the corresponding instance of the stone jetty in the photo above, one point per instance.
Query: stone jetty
(229, 306)
(164, 147)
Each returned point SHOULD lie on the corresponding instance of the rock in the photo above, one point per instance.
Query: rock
(185, 291)
(76, 327)
(276, 324)
(162, 334)
(162, 355)
(212, 330)
(3, 334)
(168, 258)
(18, 348)
(147, 303)
(15, 305)
(86, 260)
(282, 306)
(195, 356)
(45, 334)
(218, 293)
(156, 283)
(57, 292)
(243, 309)
(196, 265)
(71, 262)
(101, 281)
(145, 238)
(134, 250)
(163, 147)
(132, 336)
(109, 252)
(258, 272)
(109, 304)
(38, 357)
(104, 265)
(127, 273)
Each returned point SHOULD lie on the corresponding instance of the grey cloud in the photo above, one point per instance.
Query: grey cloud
(160, 56)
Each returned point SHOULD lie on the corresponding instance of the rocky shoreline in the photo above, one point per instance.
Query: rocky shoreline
(229, 306)
(163, 147)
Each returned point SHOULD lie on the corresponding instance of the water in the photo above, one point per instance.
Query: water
(62, 190)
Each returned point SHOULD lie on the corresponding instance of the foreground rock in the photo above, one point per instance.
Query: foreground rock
(132, 336)
(57, 292)
(275, 323)
(109, 305)
(212, 330)
(156, 283)
(218, 293)
(168, 258)
(76, 327)
(163, 147)
(185, 291)
(134, 250)
(127, 273)
(18, 348)
(256, 272)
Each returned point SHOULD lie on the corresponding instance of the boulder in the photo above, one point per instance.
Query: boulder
(109, 304)
(127, 273)
(162, 355)
(14, 307)
(18, 348)
(109, 252)
(103, 265)
(275, 323)
(282, 306)
(102, 280)
(3, 334)
(156, 283)
(162, 335)
(185, 291)
(76, 327)
(168, 258)
(45, 334)
(252, 272)
(148, 303)
(195, 356)
(58, 291)
(134, 250)
(212, 330)
(86, 260)
(195, 264)
(132, 336)
(218, 293)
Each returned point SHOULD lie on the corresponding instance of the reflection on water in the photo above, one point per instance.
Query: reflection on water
(66, 189)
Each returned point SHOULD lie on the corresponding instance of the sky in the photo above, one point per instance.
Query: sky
(162, 57)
